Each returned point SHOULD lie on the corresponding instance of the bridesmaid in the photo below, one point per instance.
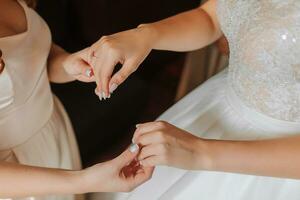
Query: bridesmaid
(38, 151)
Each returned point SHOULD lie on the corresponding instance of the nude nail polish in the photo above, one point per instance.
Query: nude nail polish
(88, 72)
(134, 148)
(113, 87)
(104, 95)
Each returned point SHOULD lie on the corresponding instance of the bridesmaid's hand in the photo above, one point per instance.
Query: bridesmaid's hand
(165, 144)
(128, 48)
(121, 174)
(77, 66)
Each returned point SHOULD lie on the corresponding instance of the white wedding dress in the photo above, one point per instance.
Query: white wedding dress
(257, 97)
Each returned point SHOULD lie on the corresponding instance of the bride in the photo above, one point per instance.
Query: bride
(243, 122)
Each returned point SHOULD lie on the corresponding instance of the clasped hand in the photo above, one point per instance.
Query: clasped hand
(97, 63)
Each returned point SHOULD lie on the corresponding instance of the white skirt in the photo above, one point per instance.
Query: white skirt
(213, 111)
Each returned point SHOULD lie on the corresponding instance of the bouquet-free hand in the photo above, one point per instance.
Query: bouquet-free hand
(121, 174)
(165, 144)
(77, 66)
(128, 48)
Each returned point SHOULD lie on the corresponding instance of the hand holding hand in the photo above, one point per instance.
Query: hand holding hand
(165, 144)
(121, 174)
(128, 48)
(77, 66)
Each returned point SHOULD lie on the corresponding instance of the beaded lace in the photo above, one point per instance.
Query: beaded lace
(264, 66)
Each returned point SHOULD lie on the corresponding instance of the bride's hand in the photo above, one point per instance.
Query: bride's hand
(121, 174)
(128, 48)
(165, 144)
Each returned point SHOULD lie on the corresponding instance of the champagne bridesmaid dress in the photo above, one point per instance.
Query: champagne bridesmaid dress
(34, 127)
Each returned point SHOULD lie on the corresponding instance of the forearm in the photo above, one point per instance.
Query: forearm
(273, 157)
(187, 31)
(56, 71)
(23, 181)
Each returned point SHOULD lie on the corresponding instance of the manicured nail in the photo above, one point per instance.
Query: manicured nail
(88, 72)
(113, 87)
(109, 96)
(104, 95)
(137, 125)
(100, 96)
(134, 148)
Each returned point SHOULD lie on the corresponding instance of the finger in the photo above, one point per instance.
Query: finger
(127, 156)
(148, 127)
(96, 63)
(143, 175)
(105, 75)
(85, 79)
(150, 150)
(152, 161)
(149, 138)
(118, 78)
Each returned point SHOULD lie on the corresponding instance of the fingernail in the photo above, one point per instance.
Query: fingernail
(100, 96)
(113, 87)
(109, 96)
(137, 125)
(88, 72)
(104, 95)
(134, 148)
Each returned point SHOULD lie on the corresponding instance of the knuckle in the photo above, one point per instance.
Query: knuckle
(161, 136)
(161, 124)
(163, 149)
(164, 159)
(104, 38)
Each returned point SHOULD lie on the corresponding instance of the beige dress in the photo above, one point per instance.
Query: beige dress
(34, 127)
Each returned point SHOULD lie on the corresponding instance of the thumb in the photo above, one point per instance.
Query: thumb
(83, 68)
(127, 156)
(82, 71)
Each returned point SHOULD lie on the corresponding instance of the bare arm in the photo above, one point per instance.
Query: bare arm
(112, 176)
(35, 181)
(187, 31)
(56, 71)
(274, 157)
(65, 67)
(165, 144)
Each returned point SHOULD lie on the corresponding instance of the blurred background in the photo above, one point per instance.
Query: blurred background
(105, 128)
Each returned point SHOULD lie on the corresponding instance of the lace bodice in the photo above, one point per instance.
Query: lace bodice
(264, 66)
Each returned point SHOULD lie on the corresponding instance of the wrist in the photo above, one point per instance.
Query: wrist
(77, 182)
(204, 159)
(64, 60)
(150, 33)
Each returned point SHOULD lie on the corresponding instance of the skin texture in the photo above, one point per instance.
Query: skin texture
(184, 32)
(165, 144)
(124, 172)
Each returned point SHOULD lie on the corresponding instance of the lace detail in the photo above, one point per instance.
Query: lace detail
(264, 66)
